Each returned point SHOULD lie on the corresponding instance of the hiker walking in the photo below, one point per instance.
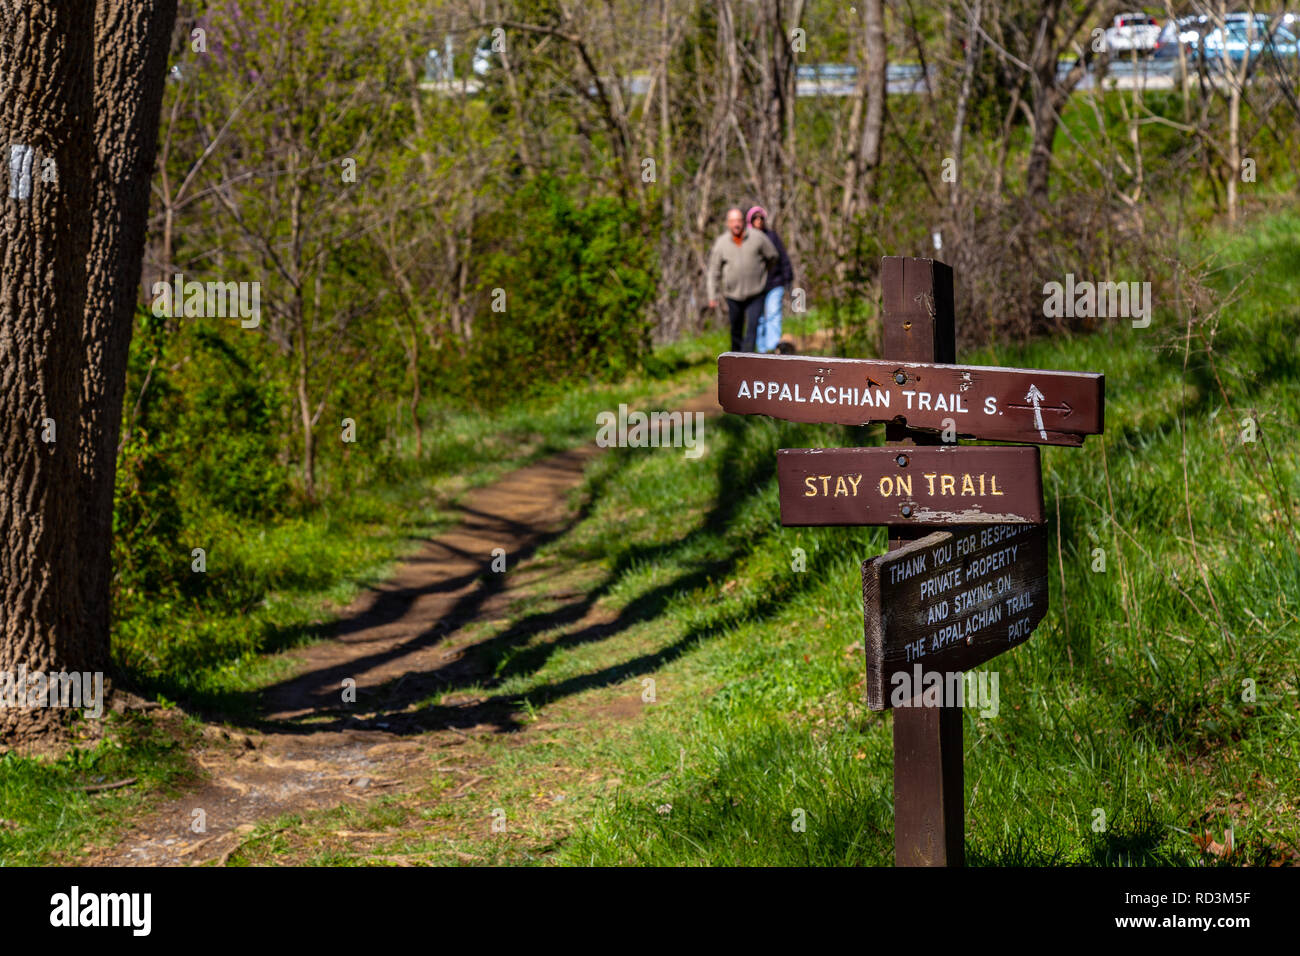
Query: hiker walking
(739, 263)
(779, 276)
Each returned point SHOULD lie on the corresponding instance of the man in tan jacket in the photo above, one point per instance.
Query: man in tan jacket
(738, 263)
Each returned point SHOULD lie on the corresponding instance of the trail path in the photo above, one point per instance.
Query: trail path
(399, 643)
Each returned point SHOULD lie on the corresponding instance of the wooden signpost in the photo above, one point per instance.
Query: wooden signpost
(939, 601)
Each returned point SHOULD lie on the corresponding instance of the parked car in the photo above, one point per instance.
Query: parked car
(1240, 39)
(1200, 37)
(1132, 31)
(1185, 32)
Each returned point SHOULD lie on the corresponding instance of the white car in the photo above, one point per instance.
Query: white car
(1132, 31)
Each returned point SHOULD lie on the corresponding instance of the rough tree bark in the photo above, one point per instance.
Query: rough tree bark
(132, 39)
(46, 59)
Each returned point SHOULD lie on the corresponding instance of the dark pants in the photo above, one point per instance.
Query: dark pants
(745, 315)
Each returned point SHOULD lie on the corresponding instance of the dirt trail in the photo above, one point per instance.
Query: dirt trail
(400, 643)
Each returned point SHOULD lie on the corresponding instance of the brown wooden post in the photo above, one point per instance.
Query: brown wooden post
(929, 802)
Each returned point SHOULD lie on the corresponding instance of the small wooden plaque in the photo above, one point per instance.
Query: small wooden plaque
(949, 602)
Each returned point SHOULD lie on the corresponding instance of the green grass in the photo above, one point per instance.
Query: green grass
(272, 587)
(45, 809)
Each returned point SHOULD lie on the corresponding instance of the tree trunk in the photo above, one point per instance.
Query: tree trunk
(793, 236)
(866, 132)
(303, 371)
(779, 87)
(1184, 78)
(873, 135)
(1237, 76)
(665, 124)
(1038, 175)
(46, 58)
(132, 38)
(771, 126)
(971, 61)
(1051, 91)
(415, 395)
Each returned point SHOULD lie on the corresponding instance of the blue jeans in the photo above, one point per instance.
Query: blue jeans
(769, 327)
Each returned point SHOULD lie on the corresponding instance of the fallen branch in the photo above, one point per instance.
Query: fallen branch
(464, 787)
(194, 846)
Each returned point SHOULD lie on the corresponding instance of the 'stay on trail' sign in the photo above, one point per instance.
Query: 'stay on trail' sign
(951, 601)
(987, 402)
(924, 485)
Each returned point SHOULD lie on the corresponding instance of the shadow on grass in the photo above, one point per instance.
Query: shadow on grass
(1142, 840)
(503, 657)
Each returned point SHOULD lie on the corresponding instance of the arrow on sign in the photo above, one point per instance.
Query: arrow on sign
(1034, 396)
(1035, 399)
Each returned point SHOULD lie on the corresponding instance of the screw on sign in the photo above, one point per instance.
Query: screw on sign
(939, 601)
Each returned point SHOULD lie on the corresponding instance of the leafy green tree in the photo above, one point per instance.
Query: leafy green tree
(572, 285)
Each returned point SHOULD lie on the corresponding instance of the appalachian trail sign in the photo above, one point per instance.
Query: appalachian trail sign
(965, 578)
(997, 404)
